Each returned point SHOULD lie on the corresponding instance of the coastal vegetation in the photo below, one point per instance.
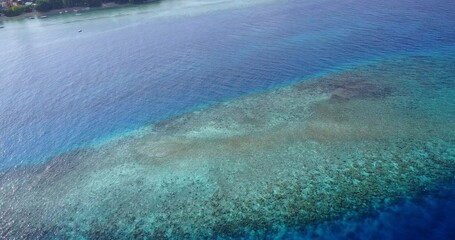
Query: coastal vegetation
(12, 9)
(16, 10)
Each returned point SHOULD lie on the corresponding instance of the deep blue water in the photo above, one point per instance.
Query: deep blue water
(60, 89)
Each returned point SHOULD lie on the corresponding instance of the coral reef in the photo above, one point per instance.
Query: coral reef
(344, 145)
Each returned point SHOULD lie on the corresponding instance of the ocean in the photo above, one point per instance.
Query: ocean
(225, 119)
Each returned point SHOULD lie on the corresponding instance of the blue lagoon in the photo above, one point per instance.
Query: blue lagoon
(189, 120)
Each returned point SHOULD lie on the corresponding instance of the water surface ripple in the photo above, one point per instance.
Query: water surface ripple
(295, 119)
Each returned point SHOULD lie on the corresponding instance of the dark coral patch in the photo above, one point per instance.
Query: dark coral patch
(352, 89)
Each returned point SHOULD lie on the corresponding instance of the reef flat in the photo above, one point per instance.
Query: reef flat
(342, 145)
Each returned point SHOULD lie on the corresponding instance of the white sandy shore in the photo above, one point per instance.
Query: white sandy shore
(180, 8)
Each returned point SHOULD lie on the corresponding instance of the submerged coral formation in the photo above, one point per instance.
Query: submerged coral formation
(342, 145)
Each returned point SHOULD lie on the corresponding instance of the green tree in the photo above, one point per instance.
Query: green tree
(136, 1)
(43, 6)
(56, 4)
(121, 1)
(74, 3)
(16, 11)
(67, 3)
(94, 3)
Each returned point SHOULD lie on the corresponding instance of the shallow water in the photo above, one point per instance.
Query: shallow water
(325, 120)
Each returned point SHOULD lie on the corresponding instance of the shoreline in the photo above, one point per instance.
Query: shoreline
(111, 5)
(67, 11)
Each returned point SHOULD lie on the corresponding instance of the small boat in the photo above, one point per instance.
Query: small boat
(80, 30)
(31, 18)
(43, 17)
(2, 27)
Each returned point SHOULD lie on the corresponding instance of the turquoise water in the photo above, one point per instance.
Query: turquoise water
(230, 120)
